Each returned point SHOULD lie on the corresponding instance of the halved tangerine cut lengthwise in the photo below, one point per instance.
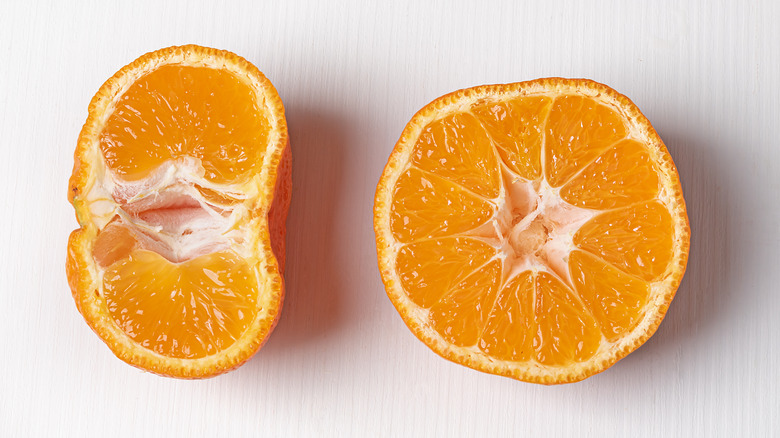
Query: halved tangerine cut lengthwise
(181, 186)
(534, 230)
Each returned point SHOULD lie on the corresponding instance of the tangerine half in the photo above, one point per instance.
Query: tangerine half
(181, 186)
(534, 230)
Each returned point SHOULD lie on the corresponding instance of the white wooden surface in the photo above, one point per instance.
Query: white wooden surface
(341, 362)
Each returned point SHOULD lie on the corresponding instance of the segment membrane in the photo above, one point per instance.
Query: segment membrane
(114, 242)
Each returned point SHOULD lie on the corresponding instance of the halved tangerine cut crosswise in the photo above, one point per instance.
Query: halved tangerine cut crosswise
(181, 187)
(534, 230)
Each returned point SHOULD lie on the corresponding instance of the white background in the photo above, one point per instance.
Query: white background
(341, 362)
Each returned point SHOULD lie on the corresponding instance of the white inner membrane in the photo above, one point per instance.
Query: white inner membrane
(166, 211)
(533, 228)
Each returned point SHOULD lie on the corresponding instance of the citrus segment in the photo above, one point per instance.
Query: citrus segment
(458, 149)
(517, 129)
(217, 198)
(179, 112)
(615, 299)
(430, 268)
(460, 315)
(621, 176)
(509, 330)
(636, 239)
(534, 230)
(578, 130)
(566, 331)
(187, 310)
(113, 243)
(426, 205)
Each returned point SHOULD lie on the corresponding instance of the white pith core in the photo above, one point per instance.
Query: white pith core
(166, 212)
(533, 228)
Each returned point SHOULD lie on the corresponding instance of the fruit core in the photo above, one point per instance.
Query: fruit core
(535, 228)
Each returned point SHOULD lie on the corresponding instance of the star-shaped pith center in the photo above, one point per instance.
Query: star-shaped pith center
(534, 228)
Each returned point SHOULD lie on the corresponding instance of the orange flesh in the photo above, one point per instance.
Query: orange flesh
(578, 130)
(180, 111)
(474, 295)
(508, 333)
(419, 195)
(516, 128)
(186, 310)
(636, 239)
(448, 260)
(113, 243)
(196, 307)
